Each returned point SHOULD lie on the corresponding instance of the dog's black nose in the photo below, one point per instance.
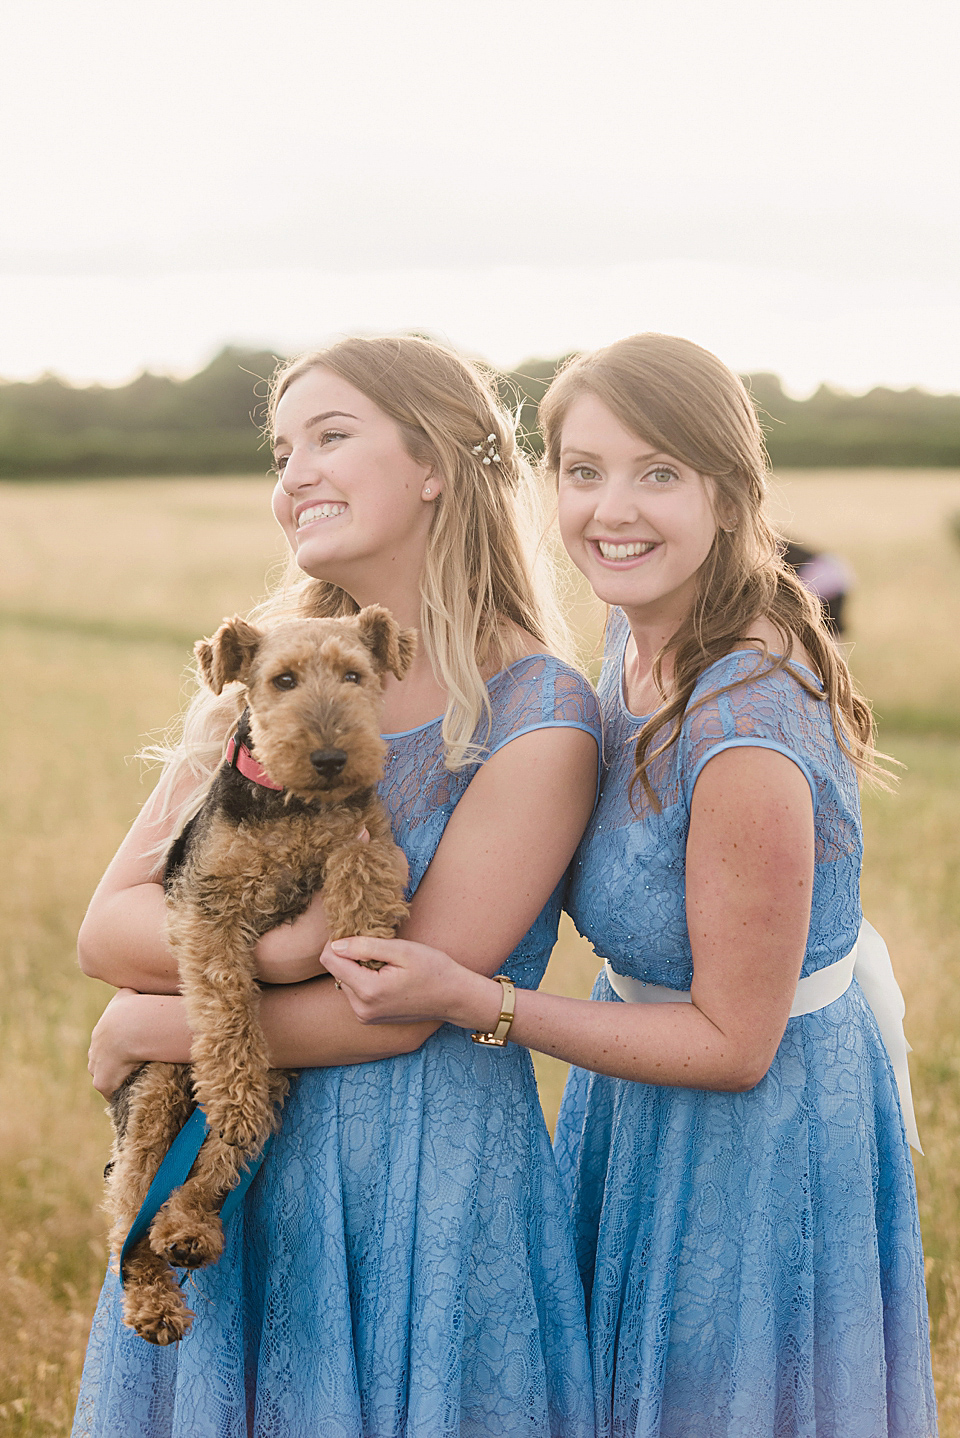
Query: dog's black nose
(328, 762)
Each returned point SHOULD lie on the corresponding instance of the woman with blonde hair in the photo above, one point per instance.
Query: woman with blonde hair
(731, 1132)
(402, 1263)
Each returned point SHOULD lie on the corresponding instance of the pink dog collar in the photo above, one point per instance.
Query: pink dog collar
(240, 758)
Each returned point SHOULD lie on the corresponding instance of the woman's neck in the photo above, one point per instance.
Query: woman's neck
(395, 593)
(640, 690)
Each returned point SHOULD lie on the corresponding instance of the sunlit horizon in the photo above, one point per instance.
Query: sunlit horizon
(770, 181)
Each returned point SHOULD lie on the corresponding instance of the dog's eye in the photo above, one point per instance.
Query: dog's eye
(351, 677)
(284, 681)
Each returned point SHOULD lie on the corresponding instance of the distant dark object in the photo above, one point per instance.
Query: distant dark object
(825, 575)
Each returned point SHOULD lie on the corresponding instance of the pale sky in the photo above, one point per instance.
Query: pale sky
(778, 181)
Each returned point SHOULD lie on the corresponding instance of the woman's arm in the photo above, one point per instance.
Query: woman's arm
(749, 881)
(123, 937)
(505, 848)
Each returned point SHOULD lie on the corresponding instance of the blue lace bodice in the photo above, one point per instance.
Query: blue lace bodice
(639, 852)
(420, 793)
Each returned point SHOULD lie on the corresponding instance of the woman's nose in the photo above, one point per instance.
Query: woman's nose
(616, 505)
(298, 472)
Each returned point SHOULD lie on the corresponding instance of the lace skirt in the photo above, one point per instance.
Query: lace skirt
(402, 1267)
(752, 1261)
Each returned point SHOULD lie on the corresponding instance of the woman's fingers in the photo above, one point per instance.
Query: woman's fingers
(364, 950)
(359, 984)
(108, 1060)
(415, 982)
(384, 979)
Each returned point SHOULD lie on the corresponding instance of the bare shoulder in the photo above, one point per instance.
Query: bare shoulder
(763, 632)
(513, 643)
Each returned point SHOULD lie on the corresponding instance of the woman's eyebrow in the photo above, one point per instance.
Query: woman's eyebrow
(638, 459)
(317, 419)
(329, 414)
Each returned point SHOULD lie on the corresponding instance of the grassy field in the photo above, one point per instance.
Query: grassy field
(103, 587)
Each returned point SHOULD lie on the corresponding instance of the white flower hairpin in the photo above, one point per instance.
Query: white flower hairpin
(487, 448)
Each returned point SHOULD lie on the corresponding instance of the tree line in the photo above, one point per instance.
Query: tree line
(212, 422)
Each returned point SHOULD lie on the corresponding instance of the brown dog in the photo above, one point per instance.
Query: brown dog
(251, 859)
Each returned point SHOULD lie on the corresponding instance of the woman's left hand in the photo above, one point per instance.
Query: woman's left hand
(134, 1029)
(110, 1058)
(416, 983)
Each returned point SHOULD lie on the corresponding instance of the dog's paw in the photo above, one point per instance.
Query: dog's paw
(186, 1240)
(158, 1313)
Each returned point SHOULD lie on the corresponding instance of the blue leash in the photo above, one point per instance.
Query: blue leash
(172, 1173)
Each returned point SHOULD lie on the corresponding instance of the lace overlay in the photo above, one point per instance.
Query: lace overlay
(751, 1261)
(402, 1266)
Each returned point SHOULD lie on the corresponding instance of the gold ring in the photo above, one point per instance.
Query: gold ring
(338, 983)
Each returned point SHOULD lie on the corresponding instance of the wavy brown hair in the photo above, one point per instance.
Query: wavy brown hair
(486, 576)
(682, 401)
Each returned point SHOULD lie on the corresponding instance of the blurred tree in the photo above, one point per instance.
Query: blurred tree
(210, 423)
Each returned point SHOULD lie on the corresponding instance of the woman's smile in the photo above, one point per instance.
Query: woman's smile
(638, 523)
(349, 495)
(623, 553)
(317, 512)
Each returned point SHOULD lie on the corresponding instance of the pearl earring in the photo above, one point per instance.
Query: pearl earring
(427, 492)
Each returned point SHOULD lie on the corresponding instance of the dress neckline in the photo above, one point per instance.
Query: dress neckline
(429, 723)
(642, 718)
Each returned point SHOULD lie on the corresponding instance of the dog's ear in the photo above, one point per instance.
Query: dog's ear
(392, 648)
(229, 653)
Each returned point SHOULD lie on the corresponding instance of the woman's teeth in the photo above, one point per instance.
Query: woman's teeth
(625, 551)
(319, 511)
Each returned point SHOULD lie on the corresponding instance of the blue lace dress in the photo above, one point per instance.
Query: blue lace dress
(402, 1266)
(751, 1261)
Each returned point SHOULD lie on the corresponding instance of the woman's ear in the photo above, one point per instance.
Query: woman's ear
(724, 510)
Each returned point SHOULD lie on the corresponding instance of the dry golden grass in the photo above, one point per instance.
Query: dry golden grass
(167, 555)
(93, 576)
(894, 529)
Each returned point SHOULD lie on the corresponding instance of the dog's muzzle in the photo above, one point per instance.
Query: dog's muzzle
(328, 763)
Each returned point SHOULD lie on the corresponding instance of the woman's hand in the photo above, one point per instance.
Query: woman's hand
(416, 983)
(290, 953)
(134, 1029)
(110, 1058)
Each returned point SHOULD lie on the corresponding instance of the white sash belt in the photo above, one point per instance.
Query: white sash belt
(868, 960)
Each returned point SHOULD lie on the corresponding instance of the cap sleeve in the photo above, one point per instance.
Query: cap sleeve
(763, 711)
(541, 692)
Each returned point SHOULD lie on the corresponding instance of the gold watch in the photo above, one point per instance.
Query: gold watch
(498, 1038)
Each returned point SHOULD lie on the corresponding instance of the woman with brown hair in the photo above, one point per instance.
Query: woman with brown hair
(402, 1264)
(731, 1132)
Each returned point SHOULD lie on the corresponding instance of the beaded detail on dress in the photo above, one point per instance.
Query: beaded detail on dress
(751, 1261)
(402, 1266)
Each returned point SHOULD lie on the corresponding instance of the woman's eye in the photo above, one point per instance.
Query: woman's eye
(284, 681)
(351, 677)
(662, 475)
(582, 473)
(329, 434)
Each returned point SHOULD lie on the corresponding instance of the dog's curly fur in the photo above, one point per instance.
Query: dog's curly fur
(251, 859)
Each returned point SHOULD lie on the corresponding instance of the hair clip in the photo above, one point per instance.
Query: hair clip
(492, 455)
